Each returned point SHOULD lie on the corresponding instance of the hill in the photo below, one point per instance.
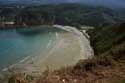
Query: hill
(67, 14)
(63, 14)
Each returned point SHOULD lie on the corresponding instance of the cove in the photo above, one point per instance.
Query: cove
(17, 44)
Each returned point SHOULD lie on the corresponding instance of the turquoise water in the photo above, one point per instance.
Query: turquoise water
(15, 45)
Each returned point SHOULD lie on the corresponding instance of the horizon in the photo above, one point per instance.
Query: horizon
(105, 3)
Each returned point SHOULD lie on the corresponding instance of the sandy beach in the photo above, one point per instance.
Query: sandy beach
(68, 49)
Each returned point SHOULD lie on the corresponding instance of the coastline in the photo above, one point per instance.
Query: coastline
(72, 39)
(83, 38)
(20, 62)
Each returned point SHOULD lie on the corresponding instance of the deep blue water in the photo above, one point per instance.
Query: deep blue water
(15, 45)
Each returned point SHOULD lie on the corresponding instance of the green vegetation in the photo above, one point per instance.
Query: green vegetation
(63, 14)
(109, 39)
(8, 14)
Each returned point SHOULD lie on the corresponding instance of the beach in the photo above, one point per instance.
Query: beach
(69, 48)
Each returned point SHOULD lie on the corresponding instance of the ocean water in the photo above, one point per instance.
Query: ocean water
(17, 44)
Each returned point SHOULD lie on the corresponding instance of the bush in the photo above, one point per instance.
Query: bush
(98, 61)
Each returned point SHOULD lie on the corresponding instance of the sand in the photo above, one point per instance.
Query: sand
(69, 48)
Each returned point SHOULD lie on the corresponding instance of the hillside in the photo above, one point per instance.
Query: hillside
(62, 14)
(106, 38)
(67, 14)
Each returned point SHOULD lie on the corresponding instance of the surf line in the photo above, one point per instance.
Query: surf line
(50, 41)
(57, 35)
(11, 66)
(49, 44)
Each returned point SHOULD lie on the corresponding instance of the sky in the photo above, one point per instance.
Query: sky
(107, 3)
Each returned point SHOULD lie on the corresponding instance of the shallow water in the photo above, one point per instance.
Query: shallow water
(15, 45)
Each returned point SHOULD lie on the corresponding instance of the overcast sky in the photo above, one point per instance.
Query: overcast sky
(108, 3)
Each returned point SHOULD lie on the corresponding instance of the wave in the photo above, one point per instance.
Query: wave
(12, 66)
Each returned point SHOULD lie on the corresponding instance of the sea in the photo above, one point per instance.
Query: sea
(17, 45)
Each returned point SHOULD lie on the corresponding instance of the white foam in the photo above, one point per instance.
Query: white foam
(11, 66)
(49, 44)
(24, 59)
(57, 36)
(5, 69)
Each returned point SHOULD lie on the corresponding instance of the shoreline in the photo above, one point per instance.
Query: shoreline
(28, 59)
(22, 27)
(26, 62)
(13, 65)
(82, 39)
